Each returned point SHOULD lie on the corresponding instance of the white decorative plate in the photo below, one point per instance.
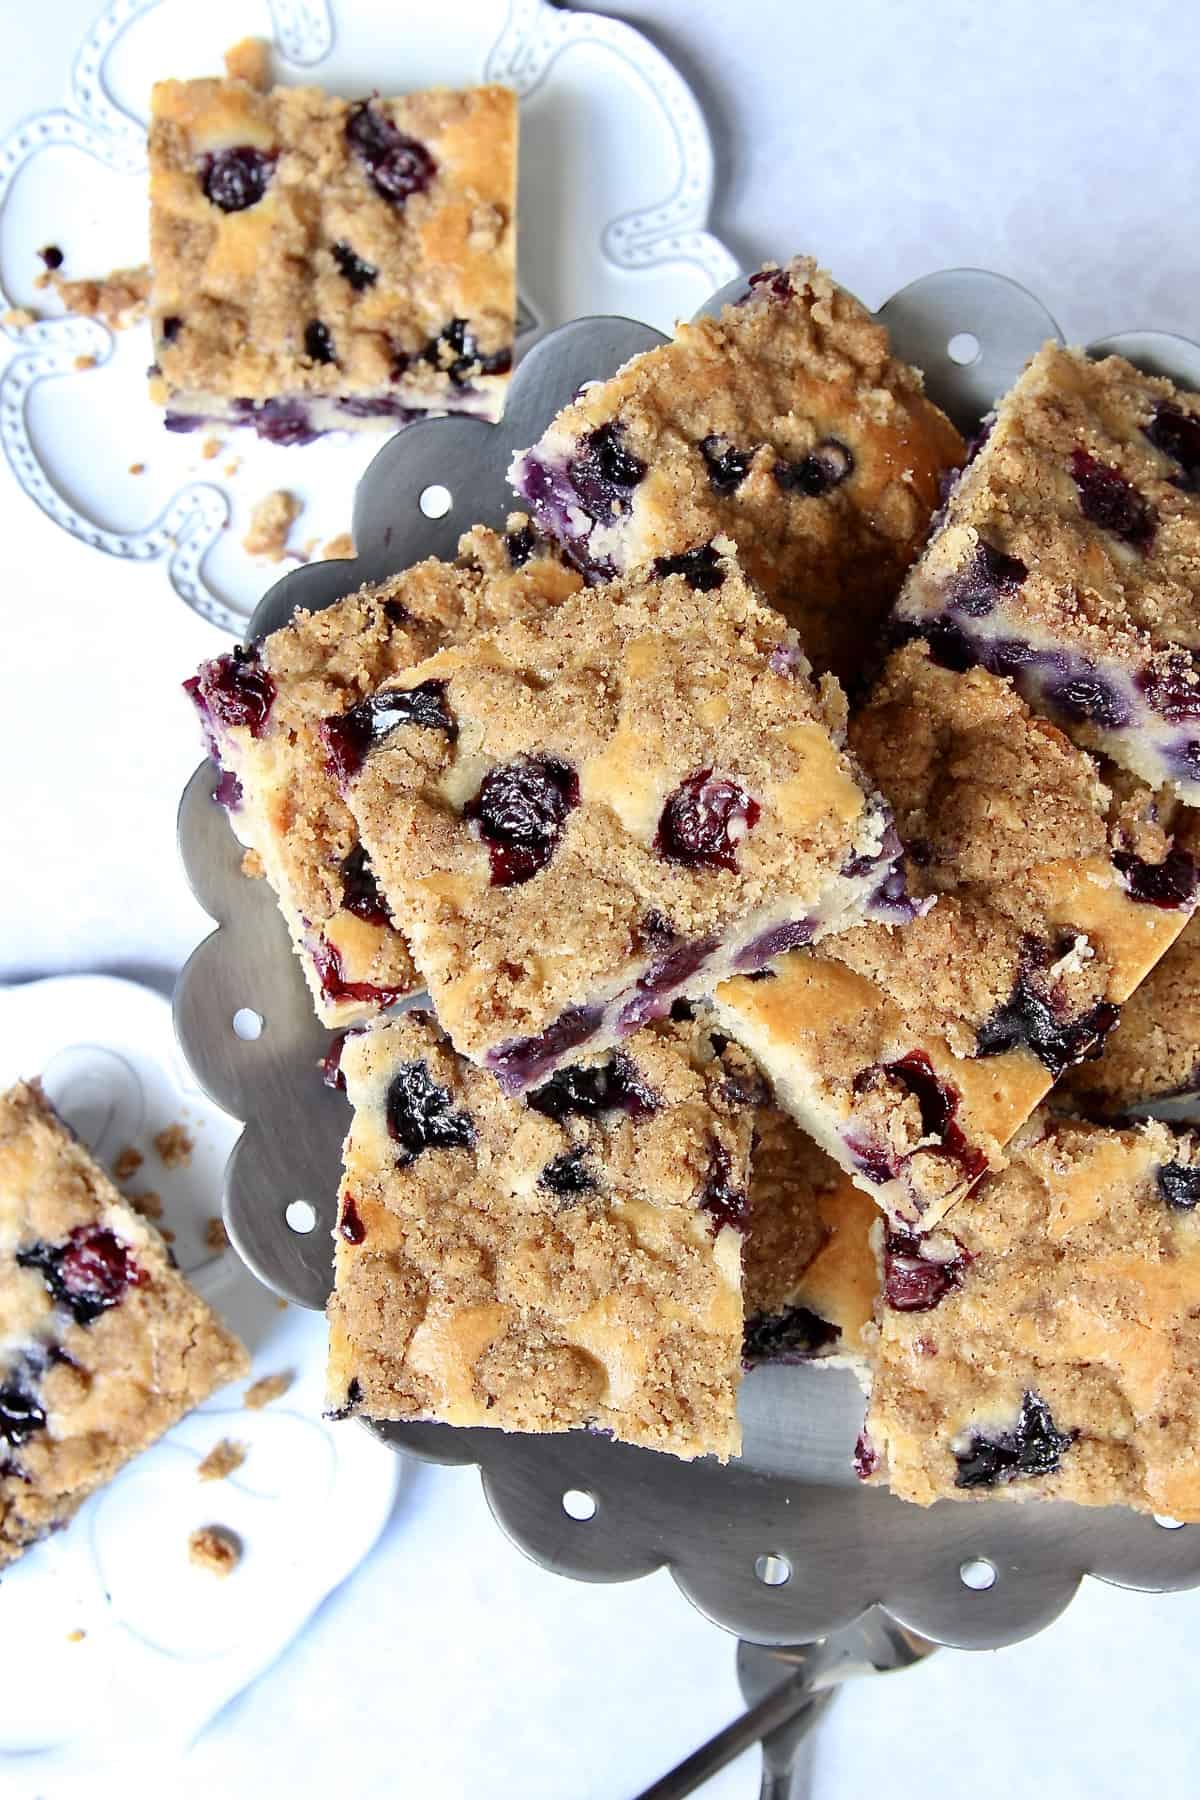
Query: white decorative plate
(616, 179)
(166, 1645)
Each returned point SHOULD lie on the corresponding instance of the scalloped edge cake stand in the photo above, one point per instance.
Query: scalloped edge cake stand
(792, 1497)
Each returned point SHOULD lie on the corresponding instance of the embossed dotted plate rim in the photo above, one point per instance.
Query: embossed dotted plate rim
(529, 38)
(792, 1494)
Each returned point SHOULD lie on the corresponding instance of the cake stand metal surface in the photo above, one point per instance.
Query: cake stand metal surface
(783, 1546)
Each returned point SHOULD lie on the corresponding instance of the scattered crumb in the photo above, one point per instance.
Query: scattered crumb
(250, 60)
(252, 866)
(85, 362)
(18, 317)
(215, 1234)
(76, 1636)
(260, 1393)
(339, 546)
(166, 1234)
(42, 280)
(148, 1204)
(282, 1305)
(215, 1548)
(211, 447)
(270, 522)
(222, 1460)
(175, 1145)
(127, 1162)
(120, 299)
(137, 468)
(233, 465)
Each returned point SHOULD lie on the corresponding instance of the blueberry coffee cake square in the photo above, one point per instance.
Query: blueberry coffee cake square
(1050, 1348)
(1069, 559)
(325, 263)
(562, 1259)
(584, 817)
(104, 1344)
(263, 709)
(1043, 895)
(786, 424)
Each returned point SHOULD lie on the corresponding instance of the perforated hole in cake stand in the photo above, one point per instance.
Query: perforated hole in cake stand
(791, 1501)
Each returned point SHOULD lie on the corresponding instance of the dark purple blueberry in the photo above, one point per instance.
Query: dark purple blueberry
(399, 166)
(327, 961)
(590, 1092)
(395, 612)
(990, 573)
(1170, 883)
(914, 1282)
(654, 931)
(604, 473)
(701, 568)
(938, 1103)
(456, 342)
(724, 1203)
(568, 1175)
(285, 422)
(1034, 1446)
(358, 273)
(1089, 697)
(519, 813)
(88, 1273)
(871, 1161)
(360, 890)
(704, 820)
(727, 466)
(823, 469)
(353, 1400)
(349, 736)
(521, 1060)
(171, 329)
(1173, 688)
(520, 546)
(866, 1457)
(318, 342)
(1179, 1185)
(228, 791)
(1177, 435)
(791, 936)
(655, 986)
(949, 646)
(52, 256)
(235, 690)
(236, 178)
(1027, 1019)
(350, 1224)
(775, 282)
(1107, 499)
(20, 1414)
(1184, 757)
(682, 1012)
(792, 1336)
(420, 1114)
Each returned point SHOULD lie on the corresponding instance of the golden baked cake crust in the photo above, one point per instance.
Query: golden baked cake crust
(103, 1345)
(263, 710)
(563, 1260)
(1069, 559)
(585, 817)
(1054, 1355)
(785, 424)
(320, 262)
(913, 1054)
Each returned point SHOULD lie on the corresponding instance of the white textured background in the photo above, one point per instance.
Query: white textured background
(1055, 142)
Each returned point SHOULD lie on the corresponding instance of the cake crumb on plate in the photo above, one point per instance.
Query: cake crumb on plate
(260, 1393)
(119, 299)
(148, 1204)
(338, 547)
(224, 1457)
(215, 1548)
(175, 1145)
(215, 1234)
(127, 1162)
(272, 519)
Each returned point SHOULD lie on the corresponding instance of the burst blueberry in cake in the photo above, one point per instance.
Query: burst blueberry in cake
(1054, 1355)
(568, 1258)
(809, 1281)
(104, 1345)
(785, 424)
(587, 816)
(264, 708)
(324, 263)
(1069, 559)
(1044, 895)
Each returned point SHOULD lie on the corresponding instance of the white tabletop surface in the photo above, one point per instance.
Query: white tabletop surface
(1055, 143)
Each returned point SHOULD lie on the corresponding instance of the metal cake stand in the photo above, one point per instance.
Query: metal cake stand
(783, 1546)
